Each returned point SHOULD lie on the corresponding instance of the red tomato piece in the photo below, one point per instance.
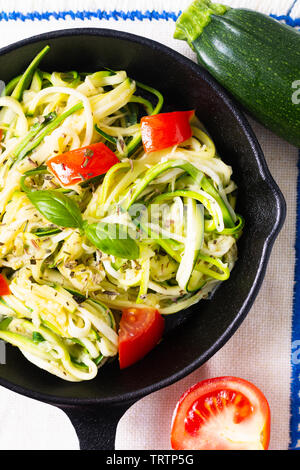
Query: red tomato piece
(140, 331)
(82, 164)
(4, 287)
(225, 413)
(165, 130)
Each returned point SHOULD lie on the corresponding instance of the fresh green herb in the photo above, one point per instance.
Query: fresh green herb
(57, 208)
(112, 239)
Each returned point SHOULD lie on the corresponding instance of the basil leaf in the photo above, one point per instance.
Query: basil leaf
(112, 239)
(57, 208)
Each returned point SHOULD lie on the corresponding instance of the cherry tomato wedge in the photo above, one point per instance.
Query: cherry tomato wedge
(4, 287)
(225, 413)
(140, 331)
(82, 164)
(165, 130)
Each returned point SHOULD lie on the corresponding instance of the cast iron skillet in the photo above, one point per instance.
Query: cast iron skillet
(95, 407)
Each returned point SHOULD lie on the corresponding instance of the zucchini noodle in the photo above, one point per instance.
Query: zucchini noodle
(177, 204)
(60, 91)
(14, 105)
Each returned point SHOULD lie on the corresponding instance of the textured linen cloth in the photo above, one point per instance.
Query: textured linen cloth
(260, 350)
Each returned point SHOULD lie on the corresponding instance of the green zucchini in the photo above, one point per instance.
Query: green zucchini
(252, 55)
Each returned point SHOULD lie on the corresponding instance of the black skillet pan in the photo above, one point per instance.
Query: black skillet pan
(193, 335)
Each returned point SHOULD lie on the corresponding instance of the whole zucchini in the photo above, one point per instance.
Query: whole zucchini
(255, 57)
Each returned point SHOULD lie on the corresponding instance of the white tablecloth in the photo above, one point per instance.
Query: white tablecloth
(260, 350)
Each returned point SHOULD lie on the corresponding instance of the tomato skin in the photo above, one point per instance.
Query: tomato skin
(202, 427)
(4, 287)
(83, 163)
(140, 331)
(165, 130)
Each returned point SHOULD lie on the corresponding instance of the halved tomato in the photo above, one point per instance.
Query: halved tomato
(225, 413)
(140, 330)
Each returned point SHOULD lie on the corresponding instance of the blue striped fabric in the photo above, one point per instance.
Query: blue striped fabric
(294, 22)
(131, 15)
(88, 15)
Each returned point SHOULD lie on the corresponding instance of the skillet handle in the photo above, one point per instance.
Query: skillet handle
(96, 426)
